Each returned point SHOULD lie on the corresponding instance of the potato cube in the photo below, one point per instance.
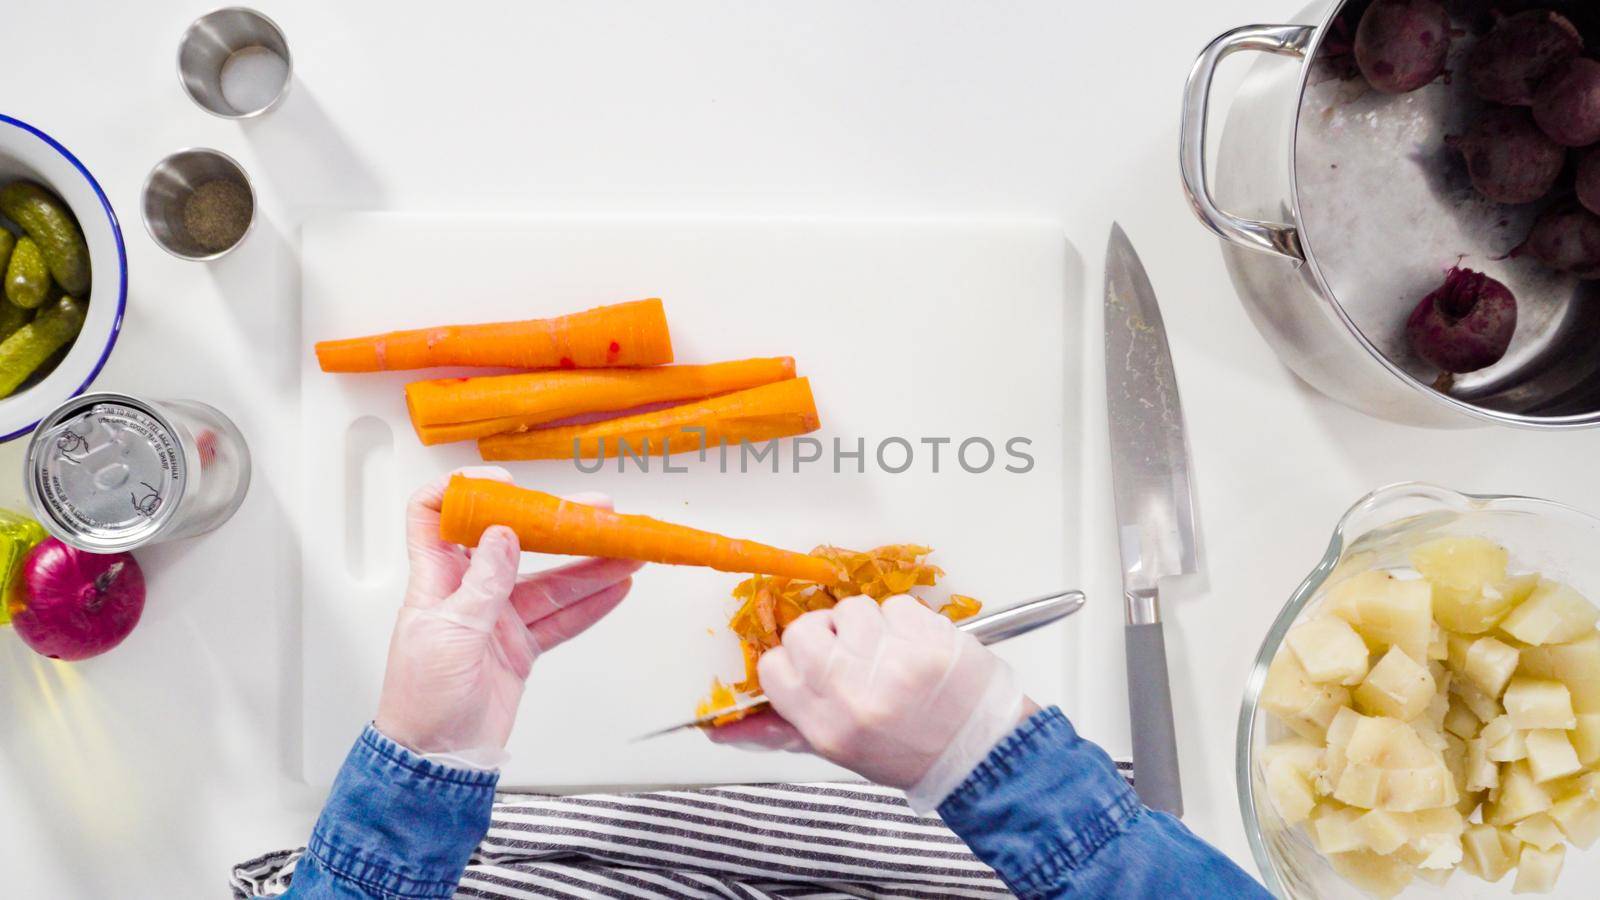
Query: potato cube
(1386, 743)
(1303, 706)
(1484, 854)
(1438, 643)
(1333, 827)
(1436, 834)
(1575, 664)
(1383, 832)
(1550, 755)
(1586, 738)
(1541, 831)
(1539, 703)
(1290, 790)
(1329, 650)
(1490, 664)
(1485, 707)
(1381, 876)
(1469, 803)
(1409, 790)
(1398, 686)
(1482, 773)
(1503, 741)
(1520, 796)
(1537, 870)
(1438, 877)
(1554, 614)
(1340, 730)
(1579, 819)
(1304, 756)
(1459, 721)
(1387, 611)
(1358, 786)
(1462, 564)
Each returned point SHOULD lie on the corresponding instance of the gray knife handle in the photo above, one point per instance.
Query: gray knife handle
(1155, 744)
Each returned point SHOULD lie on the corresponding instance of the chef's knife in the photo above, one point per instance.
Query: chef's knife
(991, 628)
(1155, 518)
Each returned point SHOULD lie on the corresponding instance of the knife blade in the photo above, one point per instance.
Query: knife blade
(990, 628)
(1155, 509)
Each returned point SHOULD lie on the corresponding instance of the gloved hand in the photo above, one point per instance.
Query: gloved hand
(470, 629)
(894, 693)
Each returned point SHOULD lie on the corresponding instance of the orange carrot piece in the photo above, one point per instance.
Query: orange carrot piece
(781, 409)
(548, 524)
(623, 334)
(461, 408)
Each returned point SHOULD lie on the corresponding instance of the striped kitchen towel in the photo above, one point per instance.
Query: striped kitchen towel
(742, 842)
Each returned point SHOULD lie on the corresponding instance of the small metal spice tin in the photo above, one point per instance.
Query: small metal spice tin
(108, 472)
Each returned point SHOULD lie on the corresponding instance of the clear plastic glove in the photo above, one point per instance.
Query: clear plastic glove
(470, 629)
(894, 693)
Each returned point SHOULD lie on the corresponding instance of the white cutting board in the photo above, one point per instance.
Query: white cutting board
(907, 328)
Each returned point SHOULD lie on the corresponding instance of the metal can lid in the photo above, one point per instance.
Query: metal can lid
(105, 472)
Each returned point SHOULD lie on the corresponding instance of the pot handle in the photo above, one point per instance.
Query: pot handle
(1270, 237)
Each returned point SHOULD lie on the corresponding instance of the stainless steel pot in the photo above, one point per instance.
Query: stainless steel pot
(1344, 209)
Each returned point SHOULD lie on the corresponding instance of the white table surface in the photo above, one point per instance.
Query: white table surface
(149, 771)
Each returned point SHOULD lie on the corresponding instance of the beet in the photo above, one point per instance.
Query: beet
(1507, 64)
(1402, 45)
(1566, 238)
(1509, 158)
(1465, 325)
(1588, 181)
(1567, 104)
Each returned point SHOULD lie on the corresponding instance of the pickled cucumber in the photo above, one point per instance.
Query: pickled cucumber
(7, 242)
(48, 221)
(27, 275)
(12, 317)
(23, 353)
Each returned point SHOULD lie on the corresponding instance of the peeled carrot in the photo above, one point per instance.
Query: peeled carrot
(462, 408)
(775, 410)
(548, 524)
(623, 334)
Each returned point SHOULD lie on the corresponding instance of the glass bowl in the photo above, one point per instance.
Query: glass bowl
(1378, 533)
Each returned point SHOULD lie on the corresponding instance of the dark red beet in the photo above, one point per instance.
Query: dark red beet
(1401, 45)
(1507, 65)
(1567, 104)
(1465, 325)
(1566, 238)
(1588, 183)
(1509, 158)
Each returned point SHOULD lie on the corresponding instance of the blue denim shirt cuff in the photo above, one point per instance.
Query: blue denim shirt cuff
(398, 825)
(1037, 846)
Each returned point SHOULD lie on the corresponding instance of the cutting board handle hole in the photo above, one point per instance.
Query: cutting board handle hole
(369, 473)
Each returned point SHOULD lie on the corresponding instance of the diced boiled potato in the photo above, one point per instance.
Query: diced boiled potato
(1303, 706)
(1358, 785)
(1537, 870)
(1398, 686)
(1387, 611)
(1485, 707)
(1438, 877)
(1541, 831)
(1503, 741)
(1575, 664)
(1539, 703)
(1438, 643)
(1550, 755)
(1329, 650)
(1436, 835)
(1484, 854)
(1469, 802)
(1520, 796)
(1460, 564)
(1586, 738)
(1476, 613)
(1445, 855)
(1459, 720)
(1383, 832)
(1490, 664)
(1553, 614)
(1381, 876)
(1578, 817)
(1304, 756)
(1290, 790)
(1340, 730)
(1408, 790)
(1482, 773)
(1333, 827)
(1386, 743)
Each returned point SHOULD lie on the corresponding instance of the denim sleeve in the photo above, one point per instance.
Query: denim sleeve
(396, 826)
(1048, 811)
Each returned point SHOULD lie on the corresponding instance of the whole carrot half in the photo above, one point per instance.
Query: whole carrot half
(780, 409)
(545, 523)
(623, 334)
(456, 409)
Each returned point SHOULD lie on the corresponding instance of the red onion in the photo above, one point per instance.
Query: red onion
(77, 604)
